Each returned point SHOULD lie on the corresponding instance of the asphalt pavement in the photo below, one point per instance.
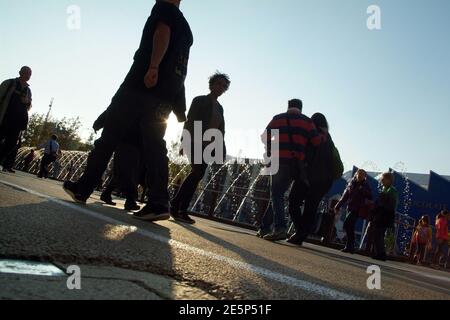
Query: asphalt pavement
(124, 258)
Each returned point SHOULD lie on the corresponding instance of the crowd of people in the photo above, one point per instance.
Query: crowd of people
(421, 246)
(133, 129)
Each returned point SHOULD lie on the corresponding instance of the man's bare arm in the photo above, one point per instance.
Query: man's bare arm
(161, 40)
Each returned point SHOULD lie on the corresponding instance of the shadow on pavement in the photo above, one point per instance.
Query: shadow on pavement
(254, 259)
(45, 231)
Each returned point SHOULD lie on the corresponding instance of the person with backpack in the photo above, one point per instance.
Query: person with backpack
(296, 132)
(51, 153)
(324, 166)
(15, 102)
(356, 196)
(423, 237)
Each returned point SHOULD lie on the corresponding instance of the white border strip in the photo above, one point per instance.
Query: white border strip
(265, 273)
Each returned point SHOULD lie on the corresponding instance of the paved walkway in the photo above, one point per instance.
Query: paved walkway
(123, 258)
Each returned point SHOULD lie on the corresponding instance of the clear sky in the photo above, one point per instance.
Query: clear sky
(386, 93)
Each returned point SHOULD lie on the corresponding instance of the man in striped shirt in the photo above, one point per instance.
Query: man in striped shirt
(295, 132)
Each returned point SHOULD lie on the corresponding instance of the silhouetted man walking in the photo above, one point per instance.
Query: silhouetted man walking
(207, 111)
(295, 133)
(152, 89)
(15, 102)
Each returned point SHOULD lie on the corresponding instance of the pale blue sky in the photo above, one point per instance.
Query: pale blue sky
(386, 93)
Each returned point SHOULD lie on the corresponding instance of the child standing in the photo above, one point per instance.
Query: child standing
(423, 236)
(384, 214)
(356, 195)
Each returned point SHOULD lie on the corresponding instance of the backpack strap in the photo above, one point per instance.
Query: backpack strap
(11, 86)
(6, 94)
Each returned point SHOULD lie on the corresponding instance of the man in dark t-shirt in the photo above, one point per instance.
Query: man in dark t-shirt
(165, 77)
(208, 111)
(152, 89)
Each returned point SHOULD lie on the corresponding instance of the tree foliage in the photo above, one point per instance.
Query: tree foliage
(67, 130)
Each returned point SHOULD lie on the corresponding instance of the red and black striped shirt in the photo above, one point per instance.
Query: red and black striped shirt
(304, 133)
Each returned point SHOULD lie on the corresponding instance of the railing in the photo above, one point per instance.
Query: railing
(232, 193)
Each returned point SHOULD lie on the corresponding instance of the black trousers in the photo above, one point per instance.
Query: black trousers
(440, 251)
(47, 159)
(112, 185)
(10, 159)
(312, 196)
(379, 237)
(189, 186)
(420, 251)
(349, 227)
(126, 171)
(129, 107)
(9, 138)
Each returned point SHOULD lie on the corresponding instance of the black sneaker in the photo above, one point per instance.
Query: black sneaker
(11, 170)
(71, 189)
(261, 233)
(348, 250)
(108, 200)
(173, 208)
(183, 217)
(276, 236)
(296, 239)
(132, 206)
(153, 213)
